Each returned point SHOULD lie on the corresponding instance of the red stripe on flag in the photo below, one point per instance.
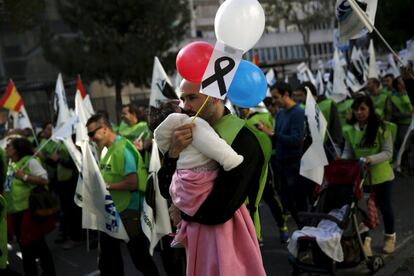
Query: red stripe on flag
(80, 87)
(18, 105)
(6, 95)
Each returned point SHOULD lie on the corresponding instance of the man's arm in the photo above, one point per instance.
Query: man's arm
(231, 188)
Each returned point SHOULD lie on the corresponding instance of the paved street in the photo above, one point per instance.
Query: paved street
(80, 262)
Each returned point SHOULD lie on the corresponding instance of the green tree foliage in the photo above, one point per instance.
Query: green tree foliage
(20, 15)
(304, 14)
(394, 19)
(116, 40)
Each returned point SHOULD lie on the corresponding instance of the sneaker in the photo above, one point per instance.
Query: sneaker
(69, 244)
(284, 235)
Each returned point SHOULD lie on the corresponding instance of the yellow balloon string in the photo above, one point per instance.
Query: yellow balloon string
(201, 108)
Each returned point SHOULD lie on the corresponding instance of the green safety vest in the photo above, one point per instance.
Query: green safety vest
(263, 117)
(343, 108)
(63, 173)
(18, 197)
(403, 105)
(326, 106)
(228, 127)
(379, 103)
(112, 167)
(47, 151)
(381, 172)
(133, 132)
(3, 233)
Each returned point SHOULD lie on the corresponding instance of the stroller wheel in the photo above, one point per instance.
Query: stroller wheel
(375, 263)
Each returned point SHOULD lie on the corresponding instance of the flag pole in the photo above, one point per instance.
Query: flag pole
(200, 109)
(370, 26)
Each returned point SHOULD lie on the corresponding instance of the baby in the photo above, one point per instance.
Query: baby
(197, 165)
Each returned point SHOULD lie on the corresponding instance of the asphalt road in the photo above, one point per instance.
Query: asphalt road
(78, 261)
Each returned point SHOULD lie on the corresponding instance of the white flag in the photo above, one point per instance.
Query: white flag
(155, 219)
(85, 96)
(21, 119)
(352, 82)
(271, 77)
(220, 70)
(397, 163)
(60, 102)
(339, 89)
(314, 159)
(161, 87)
(393, 67)
(65, 130)
(320, 86)
(97, 200)
(355, 18)
(372, 71)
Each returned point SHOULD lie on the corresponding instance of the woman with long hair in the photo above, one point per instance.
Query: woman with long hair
(367, 137)
(23, 175)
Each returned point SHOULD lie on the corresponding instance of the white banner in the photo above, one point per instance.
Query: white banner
(161, 87)
(156, 224)
(355, 18)
(314, 159)
(220, 70)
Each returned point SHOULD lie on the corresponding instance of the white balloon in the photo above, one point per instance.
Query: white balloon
(239, 23)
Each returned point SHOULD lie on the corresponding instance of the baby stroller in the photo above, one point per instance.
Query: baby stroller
(340, 190)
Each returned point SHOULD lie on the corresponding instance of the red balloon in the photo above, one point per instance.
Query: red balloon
(192, 60)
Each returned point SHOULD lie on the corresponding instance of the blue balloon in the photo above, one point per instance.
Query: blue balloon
(248, 87)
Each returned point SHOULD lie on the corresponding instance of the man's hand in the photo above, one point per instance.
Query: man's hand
(182, 137)
(175, 214)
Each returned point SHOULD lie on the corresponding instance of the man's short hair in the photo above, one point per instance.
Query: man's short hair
(389, 75)
(101, 119)
(309, 85)
(268, 101)
(376, 81)
(282, 87)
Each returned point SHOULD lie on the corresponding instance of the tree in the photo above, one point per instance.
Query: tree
(20, 15)
(116, 41)
(304, 14)
(393, 20)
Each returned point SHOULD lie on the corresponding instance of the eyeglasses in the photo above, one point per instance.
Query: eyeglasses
(93, 132)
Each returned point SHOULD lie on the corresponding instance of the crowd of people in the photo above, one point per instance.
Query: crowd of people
(215, 171)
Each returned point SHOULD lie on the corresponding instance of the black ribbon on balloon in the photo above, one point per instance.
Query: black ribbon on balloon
(219, 74)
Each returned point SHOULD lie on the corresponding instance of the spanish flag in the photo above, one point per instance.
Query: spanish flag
(11, 98)
(255, 59)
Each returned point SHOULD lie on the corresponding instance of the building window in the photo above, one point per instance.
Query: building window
(275, 53)
(268, 54)
(261, 55)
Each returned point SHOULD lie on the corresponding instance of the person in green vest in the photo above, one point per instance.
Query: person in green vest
(134, 126)
(369, 139)
(48, 148)
(66, 182)
(387, 83)
(25, 173)
(123, 171)
(221, 237)
(263, 121)
(401, 110)
(330, 112)
(381, 99)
